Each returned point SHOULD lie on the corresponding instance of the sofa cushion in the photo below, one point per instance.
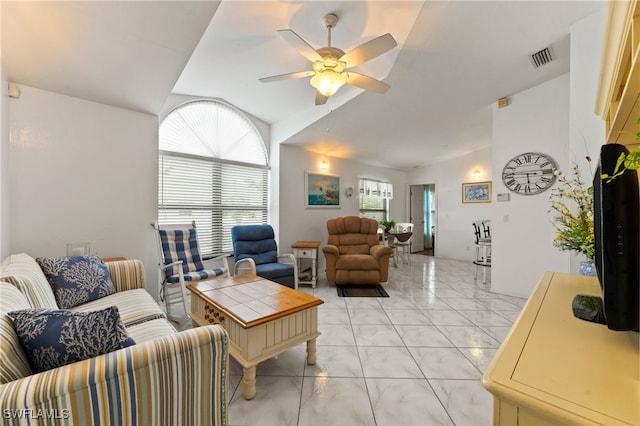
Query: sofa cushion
(150, 330)
(14, 363)
(23, 272)
(135, 306)
(76, 279)
(55, 337)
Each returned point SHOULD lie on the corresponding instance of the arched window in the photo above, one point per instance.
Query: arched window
(213, 169)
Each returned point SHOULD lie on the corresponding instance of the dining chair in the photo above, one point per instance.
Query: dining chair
(403, 233)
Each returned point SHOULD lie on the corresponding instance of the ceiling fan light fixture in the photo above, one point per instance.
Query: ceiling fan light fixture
(328, 81)
(330, 63)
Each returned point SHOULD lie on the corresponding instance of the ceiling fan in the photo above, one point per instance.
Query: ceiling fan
(330, 63)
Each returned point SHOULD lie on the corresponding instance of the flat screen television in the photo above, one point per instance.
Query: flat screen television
(616, 208)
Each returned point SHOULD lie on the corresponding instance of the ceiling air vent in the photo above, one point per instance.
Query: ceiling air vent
(541, 57)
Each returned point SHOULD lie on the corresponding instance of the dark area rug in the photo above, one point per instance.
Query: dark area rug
(359, 290)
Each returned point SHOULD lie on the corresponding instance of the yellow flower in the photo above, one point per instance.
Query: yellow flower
(573, 225)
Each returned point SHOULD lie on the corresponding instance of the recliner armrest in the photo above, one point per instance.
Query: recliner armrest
(245, 266)
(378, 251)
(287, 258)
(331, 249)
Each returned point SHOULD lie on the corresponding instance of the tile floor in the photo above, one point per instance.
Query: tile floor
(415, 358)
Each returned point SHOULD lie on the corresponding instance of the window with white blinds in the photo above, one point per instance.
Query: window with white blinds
(212, 169)
(374, 198)
(374, 207)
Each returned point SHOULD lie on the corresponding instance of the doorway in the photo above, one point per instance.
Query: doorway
(422, 208)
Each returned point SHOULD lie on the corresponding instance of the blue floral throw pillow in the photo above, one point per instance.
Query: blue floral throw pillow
(76, 279)
(55, 337)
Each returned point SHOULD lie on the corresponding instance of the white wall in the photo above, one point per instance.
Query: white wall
(4, 167)
(82, 171)
(586, 129)
(298, 223)
(4, 157)
(537, 120)
(556, 118)
(454, 229)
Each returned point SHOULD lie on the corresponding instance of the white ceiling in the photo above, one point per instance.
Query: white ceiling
(453, 61)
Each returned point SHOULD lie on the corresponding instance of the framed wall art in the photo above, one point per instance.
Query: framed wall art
(476, 192)
(321, 190)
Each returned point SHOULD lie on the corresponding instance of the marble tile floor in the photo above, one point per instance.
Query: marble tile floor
(415, 358)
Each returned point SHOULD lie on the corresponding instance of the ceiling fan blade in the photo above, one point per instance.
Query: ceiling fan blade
(302, 46)
(369, 50)
(288, 76)
(320, 98)
(366, 82)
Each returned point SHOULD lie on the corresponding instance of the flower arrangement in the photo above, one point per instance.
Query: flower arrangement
(572, 205)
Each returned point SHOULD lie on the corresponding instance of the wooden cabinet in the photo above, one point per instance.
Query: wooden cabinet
(556, 369)
(618, 98)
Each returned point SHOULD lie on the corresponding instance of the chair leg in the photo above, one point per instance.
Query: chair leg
(175, 294)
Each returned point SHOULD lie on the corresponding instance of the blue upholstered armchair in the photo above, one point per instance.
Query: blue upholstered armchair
(255, 251)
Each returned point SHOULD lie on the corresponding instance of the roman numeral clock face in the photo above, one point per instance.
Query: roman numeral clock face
(529, 174)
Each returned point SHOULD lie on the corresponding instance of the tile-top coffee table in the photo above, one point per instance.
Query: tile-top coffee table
(262, 319)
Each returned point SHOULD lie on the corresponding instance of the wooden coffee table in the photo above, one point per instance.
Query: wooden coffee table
(262, 318)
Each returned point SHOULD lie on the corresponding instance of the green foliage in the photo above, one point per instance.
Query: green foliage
(572, 205)
(625, 162)
(389, 224)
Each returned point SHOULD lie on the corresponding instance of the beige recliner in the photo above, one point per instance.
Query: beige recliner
(353, 253)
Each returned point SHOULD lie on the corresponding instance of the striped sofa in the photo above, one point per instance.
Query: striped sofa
(166, 378)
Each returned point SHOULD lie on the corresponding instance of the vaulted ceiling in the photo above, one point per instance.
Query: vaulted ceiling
(454, 59)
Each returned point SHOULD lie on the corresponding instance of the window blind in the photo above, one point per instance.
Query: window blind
(213, 169)
(216, 194)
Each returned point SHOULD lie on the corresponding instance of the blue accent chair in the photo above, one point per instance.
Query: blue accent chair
(256, 252)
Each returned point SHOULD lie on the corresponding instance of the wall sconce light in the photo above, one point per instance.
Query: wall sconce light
(476, 174)
(14, 91)
(324, 165)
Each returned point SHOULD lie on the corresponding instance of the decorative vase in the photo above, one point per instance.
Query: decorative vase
(588, 268)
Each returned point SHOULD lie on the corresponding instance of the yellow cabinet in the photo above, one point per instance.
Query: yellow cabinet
(556, 369)
(618, 98)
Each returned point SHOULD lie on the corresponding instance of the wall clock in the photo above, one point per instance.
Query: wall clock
(529, 173)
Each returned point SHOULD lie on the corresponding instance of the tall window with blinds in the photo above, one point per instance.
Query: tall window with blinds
(212, 169)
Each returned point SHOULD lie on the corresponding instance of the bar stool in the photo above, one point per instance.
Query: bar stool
(482, 233)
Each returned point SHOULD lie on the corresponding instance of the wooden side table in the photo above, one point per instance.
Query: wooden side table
(306, 252)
